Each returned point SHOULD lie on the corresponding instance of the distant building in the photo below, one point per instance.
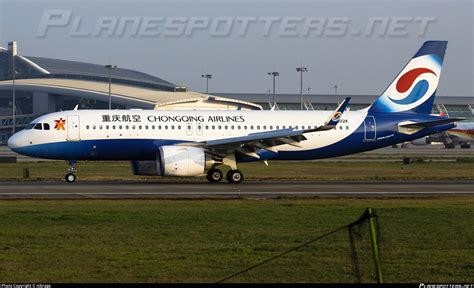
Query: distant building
(453, 106)
(45, 85)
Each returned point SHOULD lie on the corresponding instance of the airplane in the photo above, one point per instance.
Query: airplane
(462, 135)
(197, 142)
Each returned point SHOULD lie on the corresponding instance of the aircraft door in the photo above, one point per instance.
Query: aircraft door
(73, 130)
(370, 129)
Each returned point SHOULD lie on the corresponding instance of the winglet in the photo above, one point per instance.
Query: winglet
(332, 121)
(334, 118)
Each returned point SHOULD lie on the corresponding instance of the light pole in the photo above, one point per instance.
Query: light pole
(110, 68)
(207, 76)
(274, 74)
(13, 95)
(301, 70)
(335, 89)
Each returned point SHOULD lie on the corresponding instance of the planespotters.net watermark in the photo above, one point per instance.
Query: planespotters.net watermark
(66, 22)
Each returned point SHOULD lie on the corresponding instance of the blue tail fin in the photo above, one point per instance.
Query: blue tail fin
(415, 87)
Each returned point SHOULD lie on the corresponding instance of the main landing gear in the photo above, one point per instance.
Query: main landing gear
(70, 176)
(234, 176)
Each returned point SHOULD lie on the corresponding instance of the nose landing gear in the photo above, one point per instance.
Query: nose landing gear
(70, 176)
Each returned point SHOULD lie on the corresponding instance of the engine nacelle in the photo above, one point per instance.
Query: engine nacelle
(182, 161)
(421, 142)
(175, 161)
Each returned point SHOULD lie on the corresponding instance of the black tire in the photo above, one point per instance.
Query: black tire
(450, 146)
(214, 176)
(466, 146)
(70, 178)
(235, 176)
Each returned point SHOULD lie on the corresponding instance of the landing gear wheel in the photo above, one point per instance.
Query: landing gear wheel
(465, 146)
(70, 178)
(449, 146)
(235, 176)
(214, 176)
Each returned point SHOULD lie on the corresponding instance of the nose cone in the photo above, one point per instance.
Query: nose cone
(14, 142)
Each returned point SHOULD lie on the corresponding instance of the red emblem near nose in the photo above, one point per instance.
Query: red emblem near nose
(60, 124)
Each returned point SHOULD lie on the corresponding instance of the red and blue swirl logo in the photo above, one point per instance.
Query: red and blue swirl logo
(405, 82)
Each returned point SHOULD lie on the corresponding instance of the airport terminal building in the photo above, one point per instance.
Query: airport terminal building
(45, 85)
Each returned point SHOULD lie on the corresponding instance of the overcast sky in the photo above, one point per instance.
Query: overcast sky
(358, 45)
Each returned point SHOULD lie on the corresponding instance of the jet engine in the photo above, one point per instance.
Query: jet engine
(176, 161)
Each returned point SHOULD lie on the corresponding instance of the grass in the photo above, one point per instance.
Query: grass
(423, 240)
(313, 170)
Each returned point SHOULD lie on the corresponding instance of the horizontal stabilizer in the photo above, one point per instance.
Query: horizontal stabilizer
(429, 123)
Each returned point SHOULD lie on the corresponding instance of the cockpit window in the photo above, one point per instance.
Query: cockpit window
(30, 126)
(46, 126)
(38, 126)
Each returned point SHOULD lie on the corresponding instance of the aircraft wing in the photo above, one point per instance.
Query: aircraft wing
(249, 144)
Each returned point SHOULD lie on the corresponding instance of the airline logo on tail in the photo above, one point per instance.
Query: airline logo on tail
(415, 87)
(416, 84)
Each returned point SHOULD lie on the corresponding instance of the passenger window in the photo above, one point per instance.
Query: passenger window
(46, 126)
(38, 126)
(87, 127)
